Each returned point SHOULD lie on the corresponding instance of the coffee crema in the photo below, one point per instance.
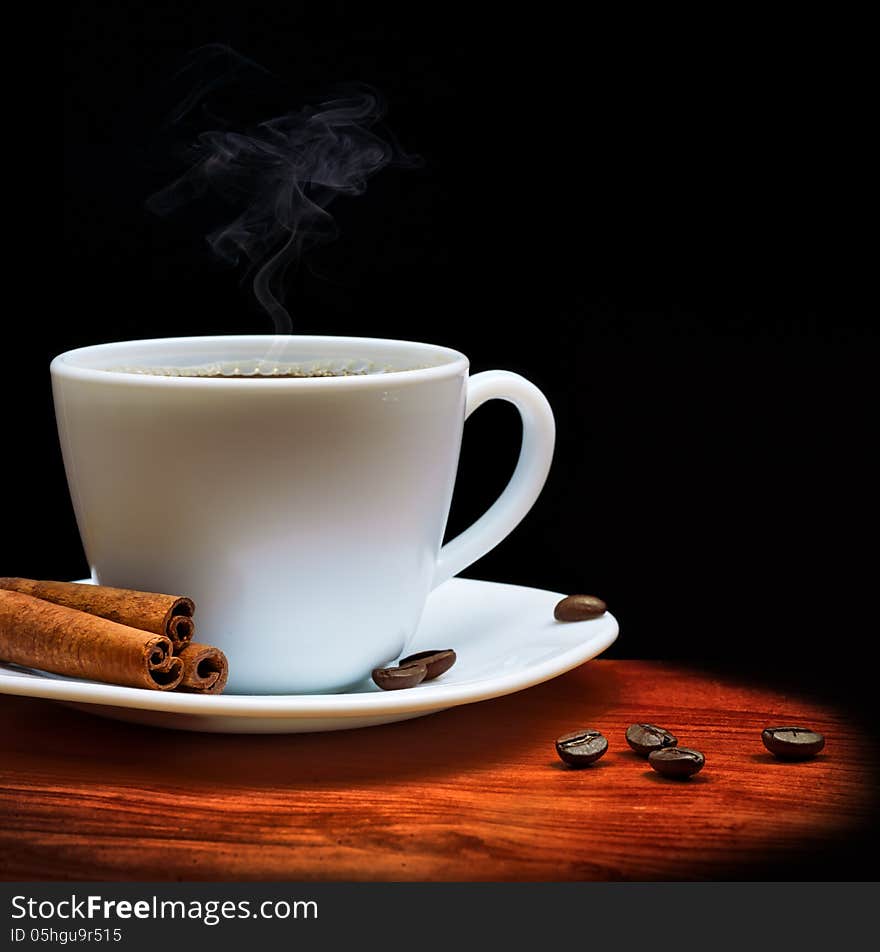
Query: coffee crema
(265, 370)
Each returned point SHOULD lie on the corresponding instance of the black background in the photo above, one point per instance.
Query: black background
(656, 221)
(649, 219)
(648, 223)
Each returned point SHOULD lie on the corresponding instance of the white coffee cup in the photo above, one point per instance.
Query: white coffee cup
(304, 516)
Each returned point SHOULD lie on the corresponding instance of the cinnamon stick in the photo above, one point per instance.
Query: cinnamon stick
(40, 634)
(205, 669)
(169, 615)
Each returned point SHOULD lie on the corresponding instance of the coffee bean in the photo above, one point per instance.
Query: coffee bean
(394, 679)
(437, 661)
(579, 608)
(792, 743)
(644, 738)
(679, 762)
(581, 748)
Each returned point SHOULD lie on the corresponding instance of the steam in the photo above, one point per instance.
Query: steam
(278, 177)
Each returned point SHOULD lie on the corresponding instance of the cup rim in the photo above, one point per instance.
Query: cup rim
(64, 364)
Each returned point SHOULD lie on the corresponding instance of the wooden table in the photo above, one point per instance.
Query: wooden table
(473, 793)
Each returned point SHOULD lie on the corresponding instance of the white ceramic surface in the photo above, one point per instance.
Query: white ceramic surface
(304, 516)
(505, 637)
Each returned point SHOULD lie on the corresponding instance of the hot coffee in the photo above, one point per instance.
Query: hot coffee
(264, 370)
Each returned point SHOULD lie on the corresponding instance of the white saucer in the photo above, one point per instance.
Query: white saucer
(505, 637)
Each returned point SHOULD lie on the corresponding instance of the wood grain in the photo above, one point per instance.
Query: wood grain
(474, 793)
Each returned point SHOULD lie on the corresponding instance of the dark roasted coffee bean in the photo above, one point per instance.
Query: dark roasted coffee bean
(581, 748)
(437, 662)
(679, 762)
(579, 608)
(792, 743)
(644, 738)
(393, 679)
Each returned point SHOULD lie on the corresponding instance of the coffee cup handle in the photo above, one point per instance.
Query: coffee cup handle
(538, 438)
